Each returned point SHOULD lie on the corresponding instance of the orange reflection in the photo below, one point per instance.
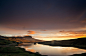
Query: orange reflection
(31, 50)
(49, 50)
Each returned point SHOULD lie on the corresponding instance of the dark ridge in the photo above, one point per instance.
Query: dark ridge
(79, 43)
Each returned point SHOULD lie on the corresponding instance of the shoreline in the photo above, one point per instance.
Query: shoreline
(8, 48)
(6, 44)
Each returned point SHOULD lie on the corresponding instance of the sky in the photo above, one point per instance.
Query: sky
(43, 18)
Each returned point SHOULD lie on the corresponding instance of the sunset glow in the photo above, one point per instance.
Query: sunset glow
(42, 27)
(45, 20)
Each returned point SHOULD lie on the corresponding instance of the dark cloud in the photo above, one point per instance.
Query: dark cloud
(42, 14)
(83, 21)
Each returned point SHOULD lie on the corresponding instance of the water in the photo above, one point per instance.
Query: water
(51, 50)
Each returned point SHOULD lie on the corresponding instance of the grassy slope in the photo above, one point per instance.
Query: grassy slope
(6, 50)
(15, 51)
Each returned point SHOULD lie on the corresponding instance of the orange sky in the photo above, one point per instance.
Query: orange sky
(46, 34)
(58, 19)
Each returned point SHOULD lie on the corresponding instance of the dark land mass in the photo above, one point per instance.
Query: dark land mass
(25, 39)
(78, 43)
(7, 47)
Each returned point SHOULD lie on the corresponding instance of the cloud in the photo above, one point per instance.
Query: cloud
(43, 30)
(83, 28)
(31, 32)
(83, 21)
(75, 33)
(43, 18)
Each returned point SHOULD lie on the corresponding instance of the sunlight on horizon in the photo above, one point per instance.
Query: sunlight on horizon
(49, 35)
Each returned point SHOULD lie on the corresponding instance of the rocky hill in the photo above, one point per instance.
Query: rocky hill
(20, 39)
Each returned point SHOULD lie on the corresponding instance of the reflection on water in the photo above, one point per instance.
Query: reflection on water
(52, 51)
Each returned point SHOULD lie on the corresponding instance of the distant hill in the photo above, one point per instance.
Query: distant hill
(21, 39)
(80, 43)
